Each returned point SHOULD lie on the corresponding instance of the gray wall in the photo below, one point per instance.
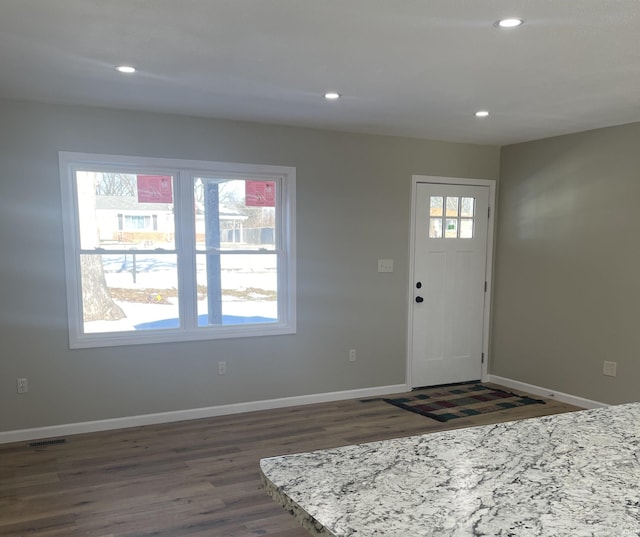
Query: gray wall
(353, 206)
(567, 264)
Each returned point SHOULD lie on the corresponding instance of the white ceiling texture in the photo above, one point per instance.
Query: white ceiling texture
(403, 67)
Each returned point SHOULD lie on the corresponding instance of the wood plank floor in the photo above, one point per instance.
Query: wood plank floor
(194, 478)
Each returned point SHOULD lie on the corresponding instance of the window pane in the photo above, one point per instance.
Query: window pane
(235, 214)
(452, 206)
(129, 292)
(435, 206)
(237, 288)
(123, 210)
(467, 207)
(435, 228)
(451, 231)
(466, 228)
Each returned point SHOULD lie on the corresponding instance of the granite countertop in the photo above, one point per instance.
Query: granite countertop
(567, 475)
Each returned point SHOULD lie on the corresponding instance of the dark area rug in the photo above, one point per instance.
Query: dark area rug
(445, 403)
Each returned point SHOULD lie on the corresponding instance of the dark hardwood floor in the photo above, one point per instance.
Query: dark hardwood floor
(197, 478)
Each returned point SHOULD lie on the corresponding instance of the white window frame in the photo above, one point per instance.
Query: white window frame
(184, 172)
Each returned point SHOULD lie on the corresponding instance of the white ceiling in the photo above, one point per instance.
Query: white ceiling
(404, 67)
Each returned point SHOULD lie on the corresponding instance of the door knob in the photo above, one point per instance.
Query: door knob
(419, 299)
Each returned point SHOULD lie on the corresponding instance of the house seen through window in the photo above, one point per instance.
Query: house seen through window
(166, 250)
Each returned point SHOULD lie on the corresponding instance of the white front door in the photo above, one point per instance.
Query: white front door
(449, 271)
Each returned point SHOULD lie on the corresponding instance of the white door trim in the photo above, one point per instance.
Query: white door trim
(415, 179)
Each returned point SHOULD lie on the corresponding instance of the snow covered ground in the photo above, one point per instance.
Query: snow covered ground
(158, 272)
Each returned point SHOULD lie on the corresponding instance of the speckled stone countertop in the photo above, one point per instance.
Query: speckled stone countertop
(567, 475)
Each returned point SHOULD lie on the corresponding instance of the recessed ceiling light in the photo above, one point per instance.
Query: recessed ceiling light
(482, 113)
(510, 22)
(127, 69)
(331, 95)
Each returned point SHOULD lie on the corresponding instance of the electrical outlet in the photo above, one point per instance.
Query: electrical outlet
(609, 368)
(222, 368)
(23, 385)
(352, 355)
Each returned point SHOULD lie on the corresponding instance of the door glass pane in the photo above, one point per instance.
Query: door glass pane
(451, 231)
(126, 292)
(452, 206)
(466, 228)
(435, 206)
(467, 207)
(125, 211)
(435, 228)
(237, 288)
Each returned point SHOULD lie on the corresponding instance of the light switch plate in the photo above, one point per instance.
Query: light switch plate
(385, 265)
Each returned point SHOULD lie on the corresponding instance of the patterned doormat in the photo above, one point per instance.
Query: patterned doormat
(444, 403)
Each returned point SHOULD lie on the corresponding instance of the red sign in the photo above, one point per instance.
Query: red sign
(154, 189)
(260, 193)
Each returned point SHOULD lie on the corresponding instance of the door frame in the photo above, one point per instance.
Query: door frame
(491, 184)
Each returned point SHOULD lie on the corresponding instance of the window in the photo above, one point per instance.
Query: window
(169, 250)
(451, 217)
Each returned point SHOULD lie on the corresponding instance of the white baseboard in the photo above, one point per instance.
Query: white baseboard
(545, 392)
(21, 435)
